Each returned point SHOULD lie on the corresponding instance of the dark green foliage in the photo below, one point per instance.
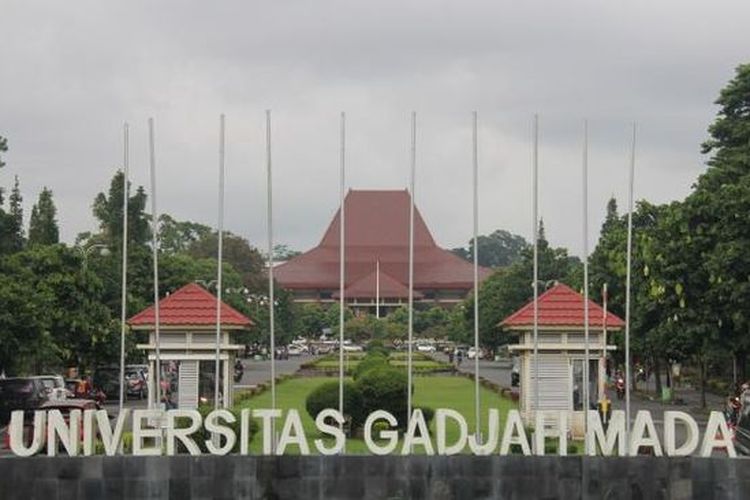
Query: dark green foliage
(376, 347)
(498, 249)
(428, 413)
(43, 228)
(327, 396)
(372, 360)
(384, 388)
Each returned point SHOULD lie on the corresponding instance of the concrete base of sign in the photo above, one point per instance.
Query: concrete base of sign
(373, 477)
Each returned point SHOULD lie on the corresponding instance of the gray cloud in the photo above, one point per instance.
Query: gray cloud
(73, 72)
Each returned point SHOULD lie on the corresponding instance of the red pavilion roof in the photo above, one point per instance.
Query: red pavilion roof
(561, 306)
(191, 305)
(377, 229)
(366, 287)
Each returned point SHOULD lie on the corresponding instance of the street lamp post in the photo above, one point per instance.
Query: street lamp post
(103, 250)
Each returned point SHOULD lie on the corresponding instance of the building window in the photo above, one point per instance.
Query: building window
(324, 295)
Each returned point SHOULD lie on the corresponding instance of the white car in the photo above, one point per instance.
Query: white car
(426, 348)
(352, 348)
(294, 350)
(472, 353)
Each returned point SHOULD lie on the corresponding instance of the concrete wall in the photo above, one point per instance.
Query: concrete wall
(372, 477)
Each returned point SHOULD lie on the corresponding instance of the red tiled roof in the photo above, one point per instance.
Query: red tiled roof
(191, 305)
(377, 228)
(561, 306)
(365, 288)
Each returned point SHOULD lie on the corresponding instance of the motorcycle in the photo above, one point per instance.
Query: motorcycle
(620, 387)
(239, 371)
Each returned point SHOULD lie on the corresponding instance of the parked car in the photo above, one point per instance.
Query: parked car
(426, 348)
(19, 393)
(471, 353)
(353, 348)
(135, 384)
(54, 385)
(294, 350)
(64, 406)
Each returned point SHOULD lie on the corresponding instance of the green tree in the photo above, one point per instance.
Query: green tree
(178, 236)
(237, 251)
(507, 289)
(15, 218)
(107, 209)
(43, 228)
(501, 248)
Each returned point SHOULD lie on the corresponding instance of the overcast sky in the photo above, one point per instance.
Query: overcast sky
(73, 72)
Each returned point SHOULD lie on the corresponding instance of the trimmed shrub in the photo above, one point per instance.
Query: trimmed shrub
(376, 346)
(384, 388)
(327, 396)
(373, 360)
(428, 413)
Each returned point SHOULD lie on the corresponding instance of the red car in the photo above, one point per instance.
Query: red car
(65, 406)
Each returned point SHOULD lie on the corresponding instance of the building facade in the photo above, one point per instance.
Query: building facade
(377, 259)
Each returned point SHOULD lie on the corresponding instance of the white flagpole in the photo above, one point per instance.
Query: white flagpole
(535, 235)
(155, 252)
(475, 170)
(271, 305)
(411, 266)
(586, 367)
(377, 289)
(342, 256)
(627, 286)
(124, 307)
(219, 260)
(603, 364)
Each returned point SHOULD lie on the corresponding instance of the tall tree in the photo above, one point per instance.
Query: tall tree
(498, 249)
(510, 288)
(43, 229)
(107, 209)
(15, 218)
(178, 236)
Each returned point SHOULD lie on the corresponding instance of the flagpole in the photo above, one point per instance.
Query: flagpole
(342, 256)
(627, 285)
(124, 307)
(377, 289)
(586, 367)
(155, 253)
(535, 235)
(411, 266)
(475, 170)
(270, 275)
(603, 367)
(219, 259)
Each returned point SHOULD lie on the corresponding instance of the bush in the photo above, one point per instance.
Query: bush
(376, 346)
(428, 413)
(373, 360)
(327, 396)
(384, 388)
(202, 435)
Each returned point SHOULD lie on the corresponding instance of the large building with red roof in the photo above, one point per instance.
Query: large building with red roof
(377, 258)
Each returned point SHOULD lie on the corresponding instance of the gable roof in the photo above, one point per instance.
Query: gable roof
(377, 229)
(191, 305)
(561, 306)
(365, 288)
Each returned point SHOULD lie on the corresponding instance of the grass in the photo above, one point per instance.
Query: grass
(420, 362)
(432, 391)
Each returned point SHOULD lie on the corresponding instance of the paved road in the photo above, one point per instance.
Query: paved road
(258, 372)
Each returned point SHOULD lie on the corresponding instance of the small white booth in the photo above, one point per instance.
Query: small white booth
(561, 354)
(187, 347)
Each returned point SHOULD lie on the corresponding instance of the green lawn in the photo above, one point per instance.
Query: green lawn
(434, 391)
